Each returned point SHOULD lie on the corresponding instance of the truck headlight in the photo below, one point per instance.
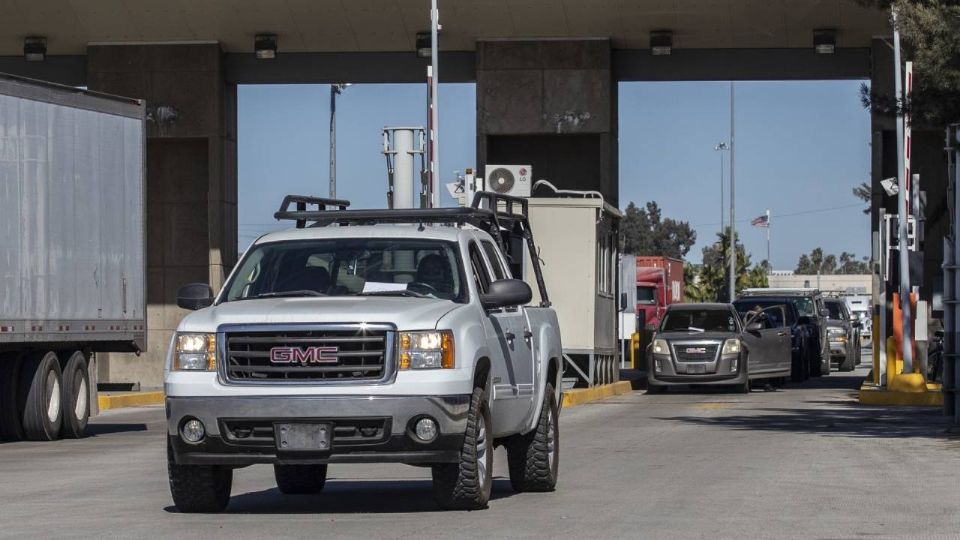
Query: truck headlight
(426, 350)
(660, 346)
(195, 352)
(731, 346)
(837, 334)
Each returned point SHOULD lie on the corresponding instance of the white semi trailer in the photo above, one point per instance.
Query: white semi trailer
(71, 250)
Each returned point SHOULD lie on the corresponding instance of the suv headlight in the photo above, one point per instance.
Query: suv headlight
(837, 334)
(195, 352)
(660, 346)
(731, 346)
(426, 350)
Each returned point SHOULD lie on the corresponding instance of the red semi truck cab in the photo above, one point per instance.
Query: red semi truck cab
(659, 284)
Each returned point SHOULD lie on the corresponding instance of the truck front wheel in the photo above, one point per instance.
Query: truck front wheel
(533, 457)
(300, 479)
(199, 488)
(466, 485)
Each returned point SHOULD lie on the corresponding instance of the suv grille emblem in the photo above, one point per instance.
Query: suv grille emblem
(305, 355)
(696, 350)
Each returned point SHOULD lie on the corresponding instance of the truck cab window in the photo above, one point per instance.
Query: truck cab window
(479, 268)
(499, 271)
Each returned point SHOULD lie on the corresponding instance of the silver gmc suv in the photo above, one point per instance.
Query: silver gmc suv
(368, 336)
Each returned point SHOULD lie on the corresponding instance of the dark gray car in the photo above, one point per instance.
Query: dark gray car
(843, 332)
(708, 344)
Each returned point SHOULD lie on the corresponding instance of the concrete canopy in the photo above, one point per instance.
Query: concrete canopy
(391, 25)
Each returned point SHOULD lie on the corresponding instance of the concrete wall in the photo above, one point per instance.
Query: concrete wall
(553, 105)
(191, 180)
(842, 283)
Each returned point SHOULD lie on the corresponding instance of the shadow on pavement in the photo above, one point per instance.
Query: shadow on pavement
(105, 429)
(851, 420)
(350, 497)
(835, 381)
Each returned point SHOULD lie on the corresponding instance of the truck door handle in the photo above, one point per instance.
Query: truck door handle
(510, 336)
(527, 334)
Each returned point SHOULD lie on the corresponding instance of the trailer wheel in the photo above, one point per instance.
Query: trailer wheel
(41, 377)
(11, 426)
(76, 396)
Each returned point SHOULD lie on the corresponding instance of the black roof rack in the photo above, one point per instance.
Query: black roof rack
(502, 216)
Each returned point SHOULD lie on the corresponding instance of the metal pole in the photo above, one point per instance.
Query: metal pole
(434, 106)
(903, 212)
(333, 141)
(733, 225)
(721, 190)
(768, 239)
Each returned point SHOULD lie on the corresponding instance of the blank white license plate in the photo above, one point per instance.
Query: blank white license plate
(303, 437)
(696, 368)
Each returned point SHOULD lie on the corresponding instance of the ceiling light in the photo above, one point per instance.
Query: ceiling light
(661, 42)
(34, 48)
(265, 46)
(825, 40)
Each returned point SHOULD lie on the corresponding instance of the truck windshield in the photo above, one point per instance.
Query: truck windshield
(350, 267)
(646, 295)
(697, 320)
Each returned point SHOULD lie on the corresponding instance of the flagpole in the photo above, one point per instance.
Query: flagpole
(768, 239)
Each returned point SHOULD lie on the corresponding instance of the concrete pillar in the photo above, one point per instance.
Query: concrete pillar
(191, 179)
(551, 104)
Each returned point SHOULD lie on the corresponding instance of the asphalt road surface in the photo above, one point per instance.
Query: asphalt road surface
(804, 462)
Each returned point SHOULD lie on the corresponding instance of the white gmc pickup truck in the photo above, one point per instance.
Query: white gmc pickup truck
(369, 336)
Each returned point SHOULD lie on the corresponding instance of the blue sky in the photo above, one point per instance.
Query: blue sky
(800, 148)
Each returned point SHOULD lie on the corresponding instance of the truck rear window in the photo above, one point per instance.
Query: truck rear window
(350, 266)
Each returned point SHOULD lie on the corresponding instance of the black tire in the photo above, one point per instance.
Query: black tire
(466, 485)
(848, 364)
(534, 457)
(76, 396)
(11, 415)
(743, 388)
(300, 479)
(42, 400)
(199, 488)
(798, 365)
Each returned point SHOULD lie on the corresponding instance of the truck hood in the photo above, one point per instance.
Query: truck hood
(696, 336)
(406, 313)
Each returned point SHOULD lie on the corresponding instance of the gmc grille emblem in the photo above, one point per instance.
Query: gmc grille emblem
(696, 350)
(304, 355)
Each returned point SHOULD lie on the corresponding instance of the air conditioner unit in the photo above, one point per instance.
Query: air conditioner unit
(508, 179)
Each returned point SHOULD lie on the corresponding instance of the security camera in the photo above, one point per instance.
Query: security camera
(890, 186)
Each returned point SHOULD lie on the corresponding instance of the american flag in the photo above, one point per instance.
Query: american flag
(762, 221)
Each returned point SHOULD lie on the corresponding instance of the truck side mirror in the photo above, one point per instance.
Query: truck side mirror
(824, 312)
(506, 292)
(194, 296)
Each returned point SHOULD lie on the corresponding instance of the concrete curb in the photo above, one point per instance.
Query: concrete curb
(129, 399)
(579, 396)
(873, 395)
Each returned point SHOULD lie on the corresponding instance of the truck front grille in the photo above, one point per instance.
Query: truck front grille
(346, 431)
(695, 352)
(323, 355)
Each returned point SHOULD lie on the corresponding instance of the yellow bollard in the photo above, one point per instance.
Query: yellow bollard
(891, 359)
(634, 346)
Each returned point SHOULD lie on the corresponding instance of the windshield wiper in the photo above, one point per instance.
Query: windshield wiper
(281, 294)
(403, 292)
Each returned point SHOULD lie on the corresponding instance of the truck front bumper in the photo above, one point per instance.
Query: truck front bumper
(365, 429)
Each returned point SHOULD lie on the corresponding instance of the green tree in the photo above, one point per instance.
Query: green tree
(863, 193)
(930, 32)
(715, 269)
(816, 262)
(646, 232)
(694, 288)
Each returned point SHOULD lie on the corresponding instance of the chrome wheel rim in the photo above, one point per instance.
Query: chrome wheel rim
(53, 391)
(482, 452)
(551, 442)
(80, 409)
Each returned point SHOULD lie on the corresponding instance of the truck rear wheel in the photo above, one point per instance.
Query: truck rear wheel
(199, 488)
(11, 423)
(76, 396)
(466, 485)
(300, 479)
(533, 457)
(41, 379)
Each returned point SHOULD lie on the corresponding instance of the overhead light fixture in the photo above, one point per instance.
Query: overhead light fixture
(661, 42)
(825, 40)
(265, 46)
(34, 48)
(425, 44)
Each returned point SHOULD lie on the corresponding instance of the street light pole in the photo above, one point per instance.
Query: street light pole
(335, 90)
(721, 147)
(733, 225)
